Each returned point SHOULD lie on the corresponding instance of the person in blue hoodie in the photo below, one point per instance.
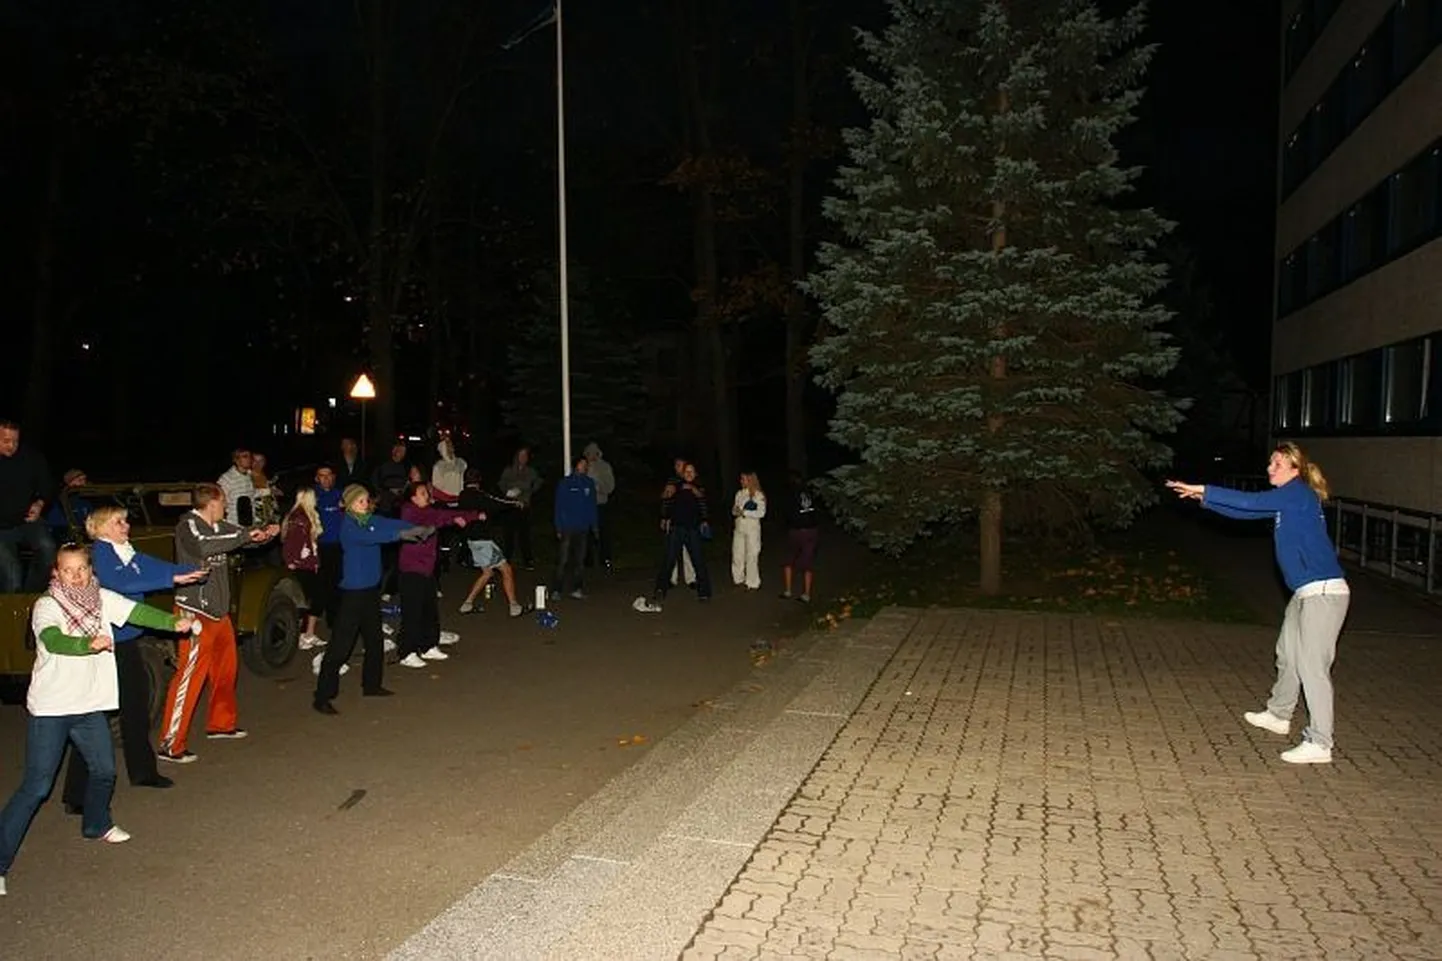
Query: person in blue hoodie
(575, 518)
(358, 613)
(328, 505)
(1313, 620)
(119, 567)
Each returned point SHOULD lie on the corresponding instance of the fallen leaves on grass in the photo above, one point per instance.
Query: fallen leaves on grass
(631, 741)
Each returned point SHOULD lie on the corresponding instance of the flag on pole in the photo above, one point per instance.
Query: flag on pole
(544, 18)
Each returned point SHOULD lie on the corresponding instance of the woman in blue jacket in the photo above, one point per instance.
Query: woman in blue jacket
(1320, 596)
(119, 567)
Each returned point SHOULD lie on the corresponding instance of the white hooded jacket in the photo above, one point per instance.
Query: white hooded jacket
(449, 474)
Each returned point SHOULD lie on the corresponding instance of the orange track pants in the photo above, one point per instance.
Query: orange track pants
(208, 656)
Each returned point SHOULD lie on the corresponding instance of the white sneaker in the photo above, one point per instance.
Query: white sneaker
(436, 654)
(467, 607)
(1308, 753)
(309, 642)
(412, 660)
(1268, 721)
(388, 629)
(439, 594)
(116, 835)
(389, 645)
(2, 885)
(449, 637)
(315, 665)
(386, 598)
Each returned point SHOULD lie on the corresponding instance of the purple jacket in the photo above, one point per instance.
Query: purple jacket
(420, 558)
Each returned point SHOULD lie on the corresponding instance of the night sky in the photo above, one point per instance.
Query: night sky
(1206, 137)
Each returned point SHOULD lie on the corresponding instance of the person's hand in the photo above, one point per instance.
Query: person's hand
(1193, 492)
(258, 535)
(481, 516)
(460, 522)
(32, 513)
(272, 530)
(183, 625)
(101, 643)
(192, 577)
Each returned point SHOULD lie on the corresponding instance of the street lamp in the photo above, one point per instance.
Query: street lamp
(363, 390)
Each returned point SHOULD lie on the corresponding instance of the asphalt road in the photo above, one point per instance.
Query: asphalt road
(337, 837)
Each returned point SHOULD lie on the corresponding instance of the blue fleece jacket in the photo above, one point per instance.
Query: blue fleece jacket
(360, 568)
(143, 575)
(575, 504)
(331, 510)
(1299, 529)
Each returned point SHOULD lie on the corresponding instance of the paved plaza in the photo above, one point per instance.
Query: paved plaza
(1035, 786)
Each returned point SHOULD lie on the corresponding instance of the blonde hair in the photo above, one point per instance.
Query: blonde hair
(305, 504)
(101, 516)
(1307, 468)
(752, 482)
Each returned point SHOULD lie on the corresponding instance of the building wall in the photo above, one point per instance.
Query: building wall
(1400, 471)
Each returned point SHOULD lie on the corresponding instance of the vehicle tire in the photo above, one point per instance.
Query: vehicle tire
(271, 648)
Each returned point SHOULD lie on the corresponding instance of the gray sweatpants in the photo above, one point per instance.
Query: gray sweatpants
(1305, 649)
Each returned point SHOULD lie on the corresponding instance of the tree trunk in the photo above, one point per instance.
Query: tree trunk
(991, 517)
(39, 376)
(796, 361)
(378, 293)
(437, 339)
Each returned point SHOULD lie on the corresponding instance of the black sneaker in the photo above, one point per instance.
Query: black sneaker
(159, 781)
(324, 707)
(378, 692)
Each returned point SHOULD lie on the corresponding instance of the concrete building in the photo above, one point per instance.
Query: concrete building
(1357, 343)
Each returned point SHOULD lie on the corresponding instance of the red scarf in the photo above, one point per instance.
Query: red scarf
(81, 607)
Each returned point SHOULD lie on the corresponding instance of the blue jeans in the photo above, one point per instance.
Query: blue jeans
(45, 739)
(36, 536)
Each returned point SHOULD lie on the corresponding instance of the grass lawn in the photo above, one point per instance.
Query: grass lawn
(1134, 573)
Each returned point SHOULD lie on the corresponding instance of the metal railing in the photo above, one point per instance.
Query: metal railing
(1396, 542)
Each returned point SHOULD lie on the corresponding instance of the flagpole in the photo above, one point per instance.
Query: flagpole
(565, 266)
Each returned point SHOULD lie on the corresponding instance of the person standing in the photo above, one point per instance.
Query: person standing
(575, 519)
(24, 489)
(239, 487)
(330, 510)
(1307, 643)
(390, 480)
(349, 469)
(72, 686)
(802, 533)
(605, 478)
(358, 612)
(686, 520)
(448, 474)
(204, 539)
(421, 635)
(519, 482)
(300, 551)
(120, 568)
(748, 507)
(685, 571)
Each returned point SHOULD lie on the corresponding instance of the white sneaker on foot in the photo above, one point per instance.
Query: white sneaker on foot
(436, 654)
(1268, 721)
(2, 885)
(412, 660)
(467, 607)
(449, 637)
(315, 665)
(1308, 753)
(310, 642)
(116, 835)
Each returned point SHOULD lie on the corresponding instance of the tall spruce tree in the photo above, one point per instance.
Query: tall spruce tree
(608, 401)
(991, 314)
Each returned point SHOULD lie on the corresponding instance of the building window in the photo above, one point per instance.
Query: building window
(1414, 203)
(1367, 79)
(1406, 370)
(1294, 161)
(1317, 398)
(1413, 34)
(1291, 285)
(1364, 235)
(1323, 262)
(1359, 391)
(1299, 39)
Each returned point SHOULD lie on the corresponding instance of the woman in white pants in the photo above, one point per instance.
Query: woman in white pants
(748, 508)
(1307, 643)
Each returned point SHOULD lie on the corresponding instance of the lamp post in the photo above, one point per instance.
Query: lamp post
(363, 390)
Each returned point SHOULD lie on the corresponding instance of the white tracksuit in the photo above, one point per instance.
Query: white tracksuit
(748, 509)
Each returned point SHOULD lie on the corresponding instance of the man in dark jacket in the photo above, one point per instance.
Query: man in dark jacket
(24, 489)
(575, 518)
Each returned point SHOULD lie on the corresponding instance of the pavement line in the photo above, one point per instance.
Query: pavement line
(513, 877)
(593, 857)
(816, 713)
(872, 647)
(692, 837)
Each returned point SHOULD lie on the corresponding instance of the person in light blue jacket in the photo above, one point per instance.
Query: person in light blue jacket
(1307, 643)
